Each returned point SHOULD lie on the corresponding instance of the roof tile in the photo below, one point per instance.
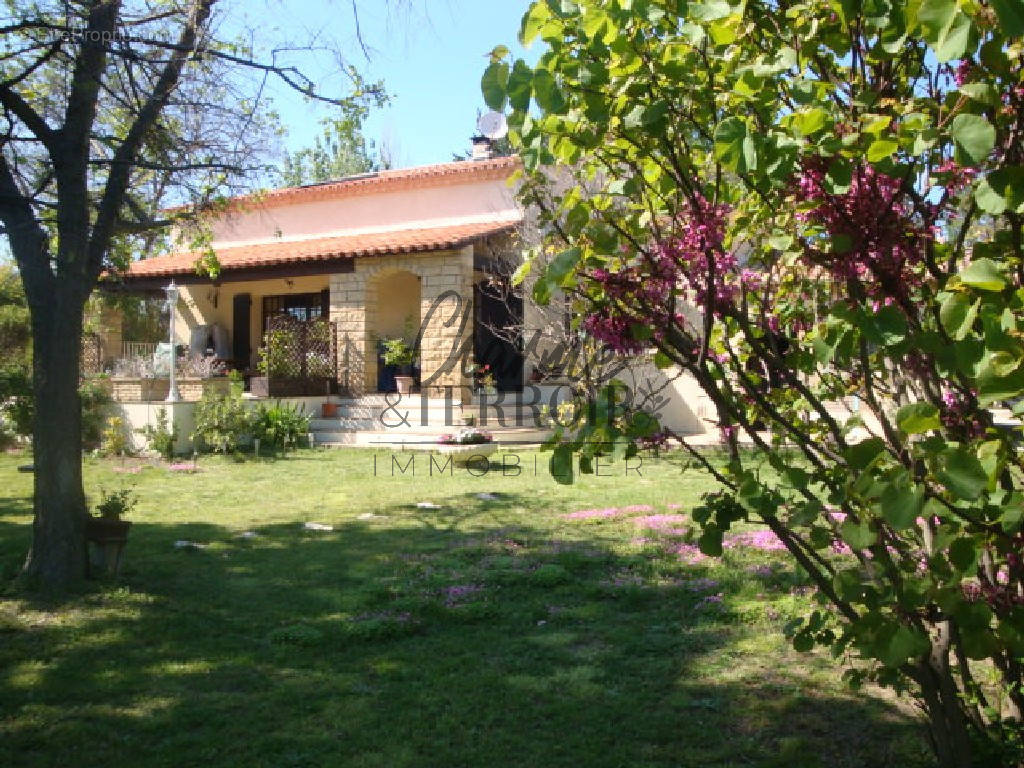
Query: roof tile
(323, 249)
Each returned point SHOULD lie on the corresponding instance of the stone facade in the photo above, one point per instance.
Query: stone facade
(135, 390)
(445, 316)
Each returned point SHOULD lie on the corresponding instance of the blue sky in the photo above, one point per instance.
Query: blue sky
(430, 56)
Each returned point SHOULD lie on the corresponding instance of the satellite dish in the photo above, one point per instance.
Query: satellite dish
(492, 125)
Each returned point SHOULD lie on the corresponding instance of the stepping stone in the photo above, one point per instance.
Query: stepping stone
(427, 505)
(318, 527)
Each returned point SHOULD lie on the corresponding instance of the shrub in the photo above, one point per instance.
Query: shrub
(161, 438)
(114, 439)
(279, 426)
(221, 421)
(94, 400)
(114, 506)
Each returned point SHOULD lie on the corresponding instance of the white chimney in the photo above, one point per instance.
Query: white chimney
(481, 148)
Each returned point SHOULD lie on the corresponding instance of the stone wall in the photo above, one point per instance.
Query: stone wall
(446, 312)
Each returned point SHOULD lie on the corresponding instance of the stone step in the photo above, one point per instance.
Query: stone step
(390, 440)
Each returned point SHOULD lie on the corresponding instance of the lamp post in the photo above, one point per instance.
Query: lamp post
(172, 301)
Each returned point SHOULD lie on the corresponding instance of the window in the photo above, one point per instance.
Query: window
(301, 306)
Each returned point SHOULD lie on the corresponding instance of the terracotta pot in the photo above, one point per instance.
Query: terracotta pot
(329, 410)
(404, 384)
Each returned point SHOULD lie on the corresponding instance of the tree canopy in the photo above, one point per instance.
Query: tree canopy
(836, 189)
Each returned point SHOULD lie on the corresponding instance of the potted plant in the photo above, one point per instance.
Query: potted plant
(399, 353)
(466, 445)
(108, 532)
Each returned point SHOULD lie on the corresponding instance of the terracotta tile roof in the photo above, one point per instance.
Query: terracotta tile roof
(323, 249)
(384, 181)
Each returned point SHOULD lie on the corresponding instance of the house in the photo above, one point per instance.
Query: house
(312, 279)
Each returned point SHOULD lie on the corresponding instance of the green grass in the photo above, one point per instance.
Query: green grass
(569, 644)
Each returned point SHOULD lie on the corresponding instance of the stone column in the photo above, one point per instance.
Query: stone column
(111, 333)
(348, 312)
(446, 297)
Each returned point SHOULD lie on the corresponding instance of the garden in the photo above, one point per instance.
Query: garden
(314, 610)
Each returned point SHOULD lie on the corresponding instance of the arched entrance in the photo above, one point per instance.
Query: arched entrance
(392, 312)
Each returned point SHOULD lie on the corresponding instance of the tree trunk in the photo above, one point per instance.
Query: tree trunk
(58, 554)
(947, 721)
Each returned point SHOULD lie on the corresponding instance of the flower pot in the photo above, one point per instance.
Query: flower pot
(108, 538)
(468, 455)
(329, 410)
(404, 384)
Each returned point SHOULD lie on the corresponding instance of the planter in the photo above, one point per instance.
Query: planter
(108, 538)
(404, 384)
(468, 454)
(329, 410)
(192, 389)
(265, 386)
(139, 390)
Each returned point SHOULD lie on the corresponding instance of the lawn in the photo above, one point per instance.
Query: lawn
(497, 631)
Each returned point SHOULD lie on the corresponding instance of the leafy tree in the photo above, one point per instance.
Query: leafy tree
(108, 112)
(339, 150)
(837, 188)
(15, 352)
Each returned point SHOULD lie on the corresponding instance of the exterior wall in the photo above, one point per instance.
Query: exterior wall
(357, 300)
(138, 415)
(435, 206)
(209, 304)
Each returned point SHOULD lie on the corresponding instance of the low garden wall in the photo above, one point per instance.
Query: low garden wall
(154, 390)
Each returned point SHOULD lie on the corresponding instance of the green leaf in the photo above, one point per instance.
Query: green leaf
(984, 275)
(1011, 16)
(1001, 190)
(803, 642)
(881, 149)
(561, 464)
(546, 92)
(901, 503)
(863, 454)
(839, 177)
(533, 20)
(520, 86)
(904, 644)
(935, 17)
(963, 555)
(858, 535)
(662, 361)
(493, 85)
(498, 53)
(916, 418)
(958, 314)
(710, 10)
(710, 542)
(953, 42)
(810, 121)
(962, 473)
(522, 272)
(734, 147)
(562, 266)
(974, 135)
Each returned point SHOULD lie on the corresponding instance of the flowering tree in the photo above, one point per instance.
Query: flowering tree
(837, 188)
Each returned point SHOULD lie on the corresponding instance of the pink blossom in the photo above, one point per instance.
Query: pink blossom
(592, 514)
(765, 540)
(659, 522)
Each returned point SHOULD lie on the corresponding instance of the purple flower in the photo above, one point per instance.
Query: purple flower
(591, 514)
(659, 522)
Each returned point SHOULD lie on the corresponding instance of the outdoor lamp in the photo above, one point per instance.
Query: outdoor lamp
(172, 301)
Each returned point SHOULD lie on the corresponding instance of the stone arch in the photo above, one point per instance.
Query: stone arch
(393, 306)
